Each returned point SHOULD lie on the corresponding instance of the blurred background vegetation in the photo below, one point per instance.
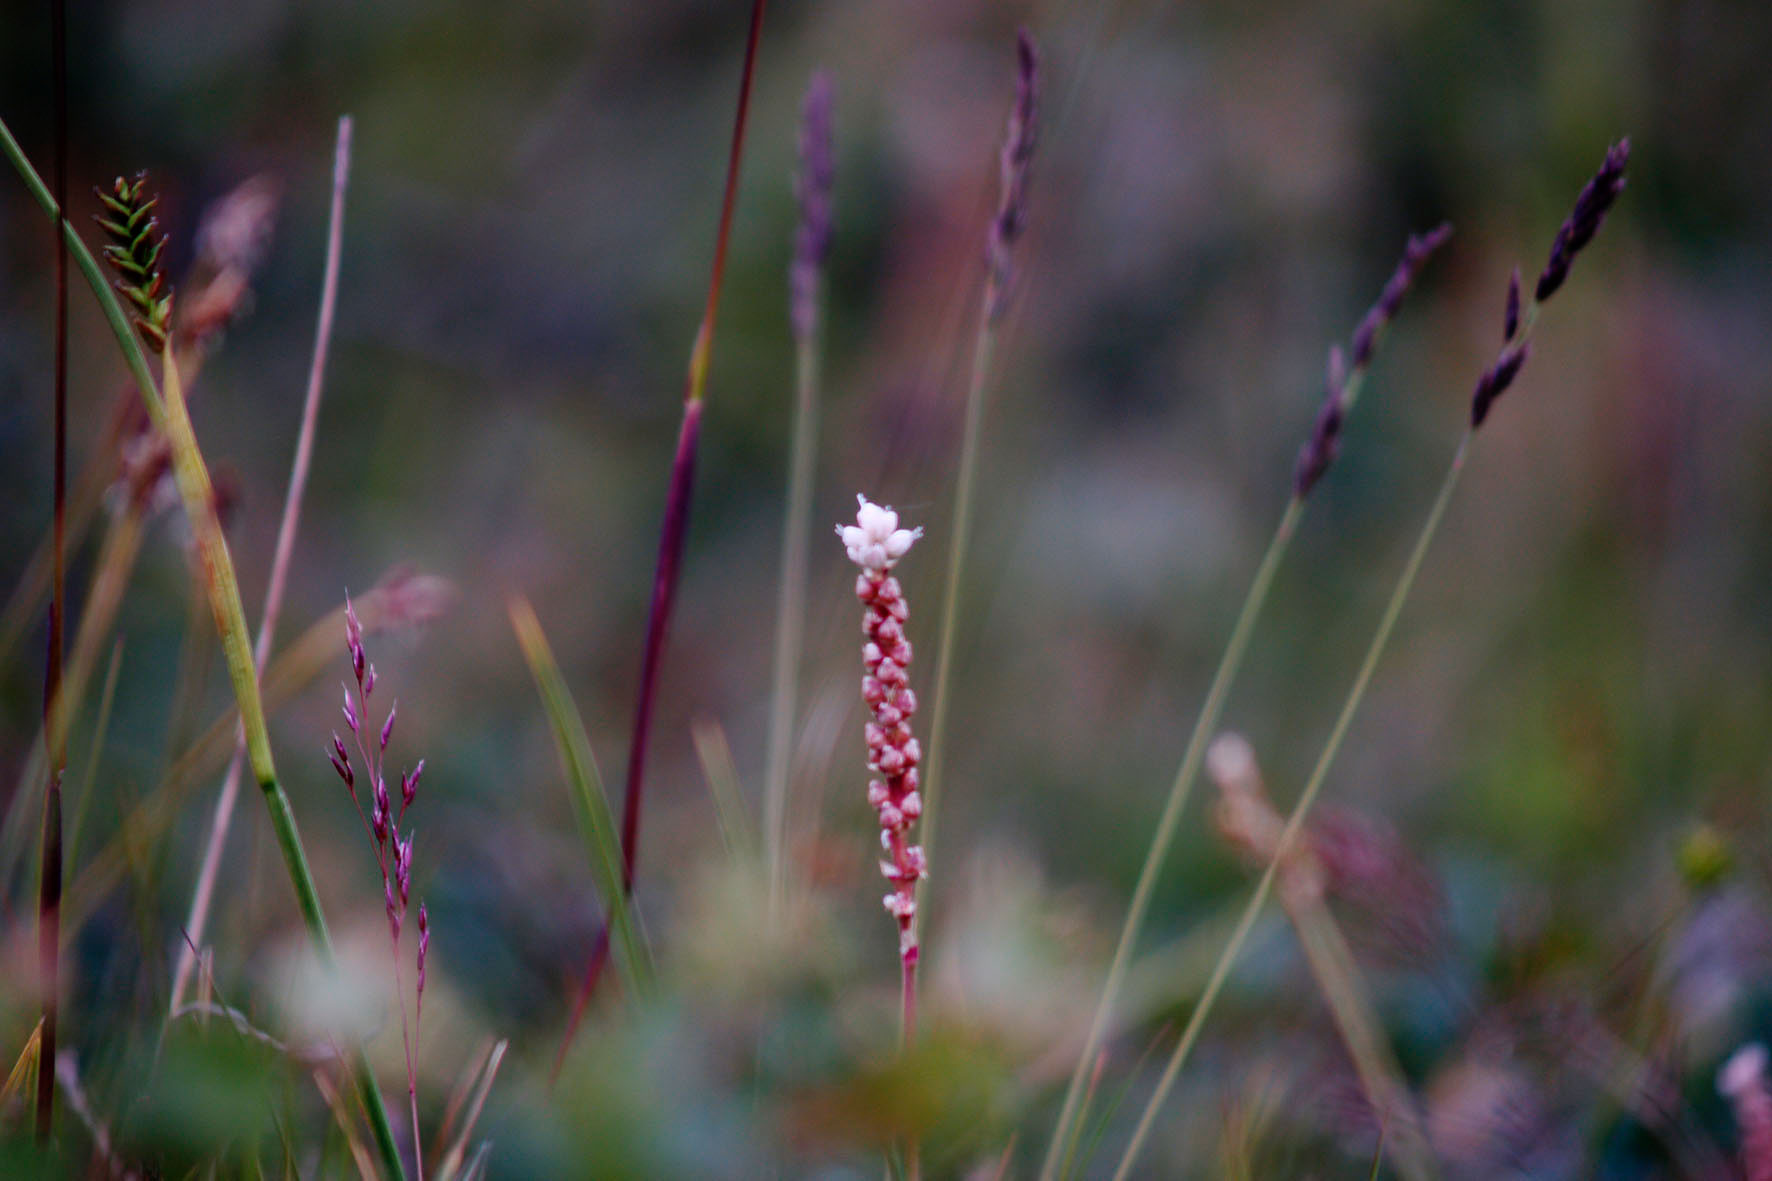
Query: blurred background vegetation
(1581, 682)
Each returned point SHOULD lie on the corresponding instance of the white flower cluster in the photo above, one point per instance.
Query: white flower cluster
(875, 541)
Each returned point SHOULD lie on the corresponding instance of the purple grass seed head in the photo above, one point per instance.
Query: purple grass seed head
(1510, 322)
(1495, 381)
(387, 727)
(1416, 251)
(812, 188)
(1014, 165)
(350, 710)
(1591, 205)
(1320, 450)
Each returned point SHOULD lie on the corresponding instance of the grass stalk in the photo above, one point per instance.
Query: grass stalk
(100, 730)
(675, 530)
(1319, 452)
(192, 476)
(1071, 1114)
(959, 537)
(198, 918)
(790, 615)
(1294, 822)
(49, 893)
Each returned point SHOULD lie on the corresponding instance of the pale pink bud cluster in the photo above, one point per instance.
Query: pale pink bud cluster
(875, 543)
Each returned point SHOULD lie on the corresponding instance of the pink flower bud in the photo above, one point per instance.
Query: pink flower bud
(387, 727)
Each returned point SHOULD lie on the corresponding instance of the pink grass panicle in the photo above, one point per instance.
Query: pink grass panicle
(876, 543)
(391, 842)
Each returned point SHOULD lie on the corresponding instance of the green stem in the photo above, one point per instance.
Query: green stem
(959, 532)
(790, 613)
(1064, 1138)
(192, 477)
(1295, 822)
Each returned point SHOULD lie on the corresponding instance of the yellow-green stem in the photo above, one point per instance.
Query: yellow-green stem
(1295, 822)
(192, 477)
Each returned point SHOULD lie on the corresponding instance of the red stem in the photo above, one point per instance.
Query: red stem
(49, 896)
(672, 535)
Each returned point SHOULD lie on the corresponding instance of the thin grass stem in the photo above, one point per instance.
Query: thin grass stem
(198, 918)
(959, 535)
(790, 616)
(1071, 1113)
(1295, 822)
(49, 895)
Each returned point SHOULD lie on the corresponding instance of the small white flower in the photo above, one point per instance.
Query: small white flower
(875, 541)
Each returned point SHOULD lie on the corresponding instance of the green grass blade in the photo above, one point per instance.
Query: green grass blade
(590, 803)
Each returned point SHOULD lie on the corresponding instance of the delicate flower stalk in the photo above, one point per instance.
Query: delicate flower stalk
(812, 245)
(1742, 1081)
(875, 543)
(391, 844)
(1575, 234)
(1315, 457)
(1015, 162)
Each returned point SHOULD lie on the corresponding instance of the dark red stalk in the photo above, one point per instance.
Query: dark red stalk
(672, 534)
(664, 592)
(49, 895)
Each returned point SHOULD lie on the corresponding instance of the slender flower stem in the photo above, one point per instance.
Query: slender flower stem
(192, 477)
(1319, 451)
(286, 531)
(790, 615)
(1295, 822)
(959, 534)
(1070, 1116)
(1014, 162)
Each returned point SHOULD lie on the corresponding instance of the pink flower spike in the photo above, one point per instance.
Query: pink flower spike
(875, 542)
